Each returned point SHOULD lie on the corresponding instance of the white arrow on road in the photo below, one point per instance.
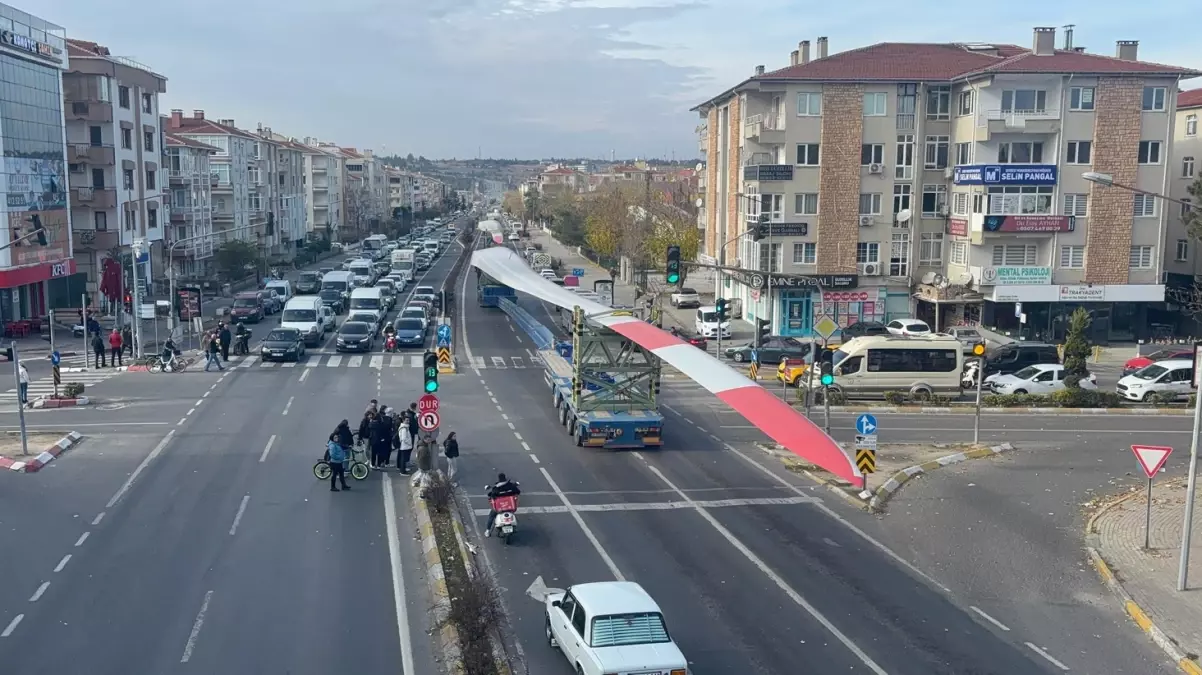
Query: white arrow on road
(539, 590)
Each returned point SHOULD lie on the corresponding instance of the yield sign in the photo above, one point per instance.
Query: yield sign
(1151, 457)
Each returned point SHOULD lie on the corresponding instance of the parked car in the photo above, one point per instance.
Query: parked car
(1043, 378)
(772, 351)
(863, 329)
(908, 327)
(686, 298)
(969, 337)
(1172, 377)
(1015, 356)
(283, 344)
(1144, 361)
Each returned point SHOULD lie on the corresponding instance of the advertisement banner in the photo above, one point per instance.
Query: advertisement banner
(1005, 174)
(188, 303)
(957, 227)
(1016, 276)
(37, 194)
(1030, 224)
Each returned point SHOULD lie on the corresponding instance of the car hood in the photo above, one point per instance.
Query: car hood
(278, 345)
(408, 334)
(1004, 380)
(357, 337)
(243, 310)
(660, 656)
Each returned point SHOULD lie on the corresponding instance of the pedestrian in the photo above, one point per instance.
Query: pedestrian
(380, 439)
(336, 455)
(214, 352)
(450, 450)
(223, 331)
(365, 425)
(413, 422)
(423, 458)
(127, 341)
(98, 350)
(115, 346)
(405, 443)
(23, 383)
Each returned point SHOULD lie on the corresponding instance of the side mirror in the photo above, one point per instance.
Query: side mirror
(556, 603)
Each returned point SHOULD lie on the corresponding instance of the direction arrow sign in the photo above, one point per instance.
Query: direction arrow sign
(1151, 457)
(428, 421)
(444, 332)
(577, 271)
(55, 357)
(427, 403)
(866, 424)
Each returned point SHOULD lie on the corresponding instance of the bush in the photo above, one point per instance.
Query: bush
(440, 494)
(1162, 398)
(906, 398)
(1066, 398)
(73, 390)
(1015, 401)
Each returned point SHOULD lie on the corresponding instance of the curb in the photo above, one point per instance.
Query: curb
(790, 461)
(448, 635)
(48, 455)
(897, 480)
(1184, 661)
(969, 410)
(52, 403)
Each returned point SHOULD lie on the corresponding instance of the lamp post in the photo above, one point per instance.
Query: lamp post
(1107, 181)
(138, 247)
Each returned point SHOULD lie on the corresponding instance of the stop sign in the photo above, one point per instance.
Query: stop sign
(427, 403)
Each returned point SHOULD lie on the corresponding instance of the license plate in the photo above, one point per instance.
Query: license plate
(277, 353)
(507, 529)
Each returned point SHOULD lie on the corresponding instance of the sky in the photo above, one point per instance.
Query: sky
(535, 78)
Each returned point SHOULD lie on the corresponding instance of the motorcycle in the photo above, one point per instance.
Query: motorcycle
(242, 343)
(506, 522)
(390, 343)
(968, 378)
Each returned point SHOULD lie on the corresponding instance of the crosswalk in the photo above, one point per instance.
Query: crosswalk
(381, 361)
(44, 386)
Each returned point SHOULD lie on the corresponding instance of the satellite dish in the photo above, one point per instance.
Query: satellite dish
(940, 280)
(928, 278)
(903, 216)
(700, 167)
(965, 279)
(699, 202)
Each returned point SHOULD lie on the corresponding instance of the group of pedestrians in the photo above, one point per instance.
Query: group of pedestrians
(216, 344)
(119, 343)
(386, 430)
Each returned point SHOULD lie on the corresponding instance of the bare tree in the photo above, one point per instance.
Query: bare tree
(1188, 298)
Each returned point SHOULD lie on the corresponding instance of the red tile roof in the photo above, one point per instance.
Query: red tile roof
(561, 171)
(1081, 63)
(174, 140)
(86, 49)
(1190, 99)
(194, 126)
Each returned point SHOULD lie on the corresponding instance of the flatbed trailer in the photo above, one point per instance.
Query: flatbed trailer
(490, 292)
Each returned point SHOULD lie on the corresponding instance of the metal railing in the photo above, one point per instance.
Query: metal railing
(1015, 118)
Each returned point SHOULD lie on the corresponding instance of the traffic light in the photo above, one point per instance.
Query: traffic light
(827, 374)
(763, 329)
(721, 307)
(39, 229)
(672, 268)
(431, 372)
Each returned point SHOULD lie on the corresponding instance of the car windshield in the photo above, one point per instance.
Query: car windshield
(359, 316)
(282, 336)
(333, 285)
(299, 315)
(688, 291)
(365, 303)
(629, 629)
(709, 317)
(1150, 373)
(354, 328)
(246, 302)
(915, 327)
(837, 356)
(331, 296)
(424, 290)
(967, 333)
(308, 277)
(1028, 373)
(409, 324)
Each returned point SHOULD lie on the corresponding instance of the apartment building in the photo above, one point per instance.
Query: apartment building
(115, 154)
(231, 165)
(944, 181)
(1183, 262)
(323, 185)
(33, 277)
(276, 196)
(190, 180)
(363, 199)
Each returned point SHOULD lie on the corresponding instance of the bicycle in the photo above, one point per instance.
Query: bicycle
(354, 464)
(170, 366)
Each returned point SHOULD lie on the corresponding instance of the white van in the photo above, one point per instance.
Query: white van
(1171, 377)
(369, 300)
(308, 315)
(706, 323)
(339, 280)
(869, 367)
(362, 271)
(282, 287)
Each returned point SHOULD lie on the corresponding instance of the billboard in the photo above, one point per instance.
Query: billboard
(1030, 224)
(37, 192)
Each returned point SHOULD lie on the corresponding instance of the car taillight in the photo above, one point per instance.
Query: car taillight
(679, 671)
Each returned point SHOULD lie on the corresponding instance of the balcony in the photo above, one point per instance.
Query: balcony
(765, 129)
(95, 240)
(991, 122)
(95, 155)
(94, 197)
(90, 111)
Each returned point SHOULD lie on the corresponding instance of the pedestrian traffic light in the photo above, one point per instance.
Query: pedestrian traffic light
(720, 308)
(672, 268)
(828, 377)
(431, 372)
(763, 329)
(39, 229)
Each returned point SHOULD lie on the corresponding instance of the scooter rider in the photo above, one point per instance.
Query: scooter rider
(242, 335)
(389, 333)
(503, 488)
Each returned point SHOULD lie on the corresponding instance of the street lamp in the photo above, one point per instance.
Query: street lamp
(1107, 180)
(138, 247)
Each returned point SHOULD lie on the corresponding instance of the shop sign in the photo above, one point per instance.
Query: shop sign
(759, 280)
(785, 229)
(1030, 224)
(957, 227)
(1005, 174)
(1082, 293)
(1016, 276)
(27, 44)
(768, 172)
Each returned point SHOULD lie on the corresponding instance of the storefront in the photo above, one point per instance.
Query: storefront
(24, 292)
(1041, 312)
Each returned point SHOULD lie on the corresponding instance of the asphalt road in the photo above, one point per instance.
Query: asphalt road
(199, 539)
(764, 584)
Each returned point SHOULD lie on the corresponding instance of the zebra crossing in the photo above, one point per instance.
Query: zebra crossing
(44, 386)
(381, 361)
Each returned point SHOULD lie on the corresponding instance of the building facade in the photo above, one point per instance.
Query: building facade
(323, 186)
(277, 200)
(231, 166)
(190, 178)
(943, 181)
(1183, 264)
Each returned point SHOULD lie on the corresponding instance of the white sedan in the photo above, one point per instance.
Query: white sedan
(908, 327)
(1038, 379)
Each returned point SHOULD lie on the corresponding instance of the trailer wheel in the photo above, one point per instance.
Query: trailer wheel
(580, 438)
(572, 427)
(563, 415)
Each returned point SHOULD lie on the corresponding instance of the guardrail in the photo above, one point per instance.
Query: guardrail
(543, 338)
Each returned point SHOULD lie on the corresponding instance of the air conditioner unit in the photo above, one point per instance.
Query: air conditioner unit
(944, 211)
(876, 168)
(866, 221)
(948, 173)
(868, 269)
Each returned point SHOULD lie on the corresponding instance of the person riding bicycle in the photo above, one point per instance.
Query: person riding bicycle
(168, 355)
(503, 488)
(242, 338)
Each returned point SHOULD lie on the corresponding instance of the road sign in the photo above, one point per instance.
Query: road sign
(444, 335)
(577, 271)
(753, 371)
(427, 403)
(541, 260)
(866, 460)
(864, 442)
(866, 424)
(58, 378)
(1151, 457)
(825, 327)
(428, 421)
(55, 357)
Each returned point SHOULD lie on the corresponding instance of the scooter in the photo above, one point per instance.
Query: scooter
(506, 522)
(390, 343)
(968, 379)
(242, 343)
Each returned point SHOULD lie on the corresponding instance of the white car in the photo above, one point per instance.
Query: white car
(1038, 379)
(908, 327)
(611, 627)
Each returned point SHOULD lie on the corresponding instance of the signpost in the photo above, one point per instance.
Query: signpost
(753, 371)
(55, 360)
(824, 327)
(866, 445)
(1192, 482)
(444, 335)
(577, 271)
(427, 403)
(1151, 459)
(428, 421)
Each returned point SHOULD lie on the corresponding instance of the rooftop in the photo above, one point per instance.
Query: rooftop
(175, 140)
(614, 597)
(86, 49)
(199, 124)
(1190, 99)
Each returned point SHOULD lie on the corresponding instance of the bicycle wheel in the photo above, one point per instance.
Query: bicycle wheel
(359, 470)
(156, 367)
(322, 470)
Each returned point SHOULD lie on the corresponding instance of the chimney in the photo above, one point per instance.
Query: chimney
(759, 70)
(804, 48)
(198, 114)
(1045, 41)
(228, 123)
(1079, 50)
(793, 57)
(822, 47)
(1068, 37)
(1127, 50)
(177, 118)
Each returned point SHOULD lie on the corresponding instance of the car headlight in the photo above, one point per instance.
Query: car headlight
(1135, 386)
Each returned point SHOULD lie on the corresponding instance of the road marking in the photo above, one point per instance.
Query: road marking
(588, 532)
(517, 435)
(504, 416)
(206, 394)
(241, 512)
(1047, 656)
(533, 457)
(37, 595)
(198, 402)
(376, 361)
(334, 361)
(499, 408)
(715, 437)
(181, 421)
(82, 538)
(355, 361)
(189, 413)
(498, 363)
(87, 424)
(99, 517)
(196, 626)
(398, 579)
(62, 563)
(661, 506)
(304, 373)
(270, 442)
(981, 613)
(768, 572)
(129, 482)
(511, 425)
(670, 408)
(525, 446)
(288, 405)
(12, 625)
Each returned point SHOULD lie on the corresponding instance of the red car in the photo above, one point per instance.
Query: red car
(1138, 362)
(697, 341)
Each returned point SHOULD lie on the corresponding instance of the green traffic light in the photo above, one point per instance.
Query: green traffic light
(431, 386)
(828, 380)
(673, 278)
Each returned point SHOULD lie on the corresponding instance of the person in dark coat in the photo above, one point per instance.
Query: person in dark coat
(98, 350)
(127, 341)
(224, 332)
(380, 437)
(343, 435)
(365, 426)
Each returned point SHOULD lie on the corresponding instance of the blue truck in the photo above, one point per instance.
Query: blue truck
(489, 291)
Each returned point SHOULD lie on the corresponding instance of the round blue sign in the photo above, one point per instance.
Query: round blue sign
(55, 357)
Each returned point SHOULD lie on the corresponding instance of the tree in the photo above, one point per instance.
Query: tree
(1188, 298)
(1192, 216)
(513, 203)
(1077, 349)
(235, 258)
(600, 237)
(667, 231)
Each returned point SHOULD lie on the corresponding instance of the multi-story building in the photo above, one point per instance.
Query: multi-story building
(115, 150)
(945, 181)
(1183, 264)
(364, 198)
(190, 179)
(323, 185)
(277, 196)
(231, 164)
(34, 277)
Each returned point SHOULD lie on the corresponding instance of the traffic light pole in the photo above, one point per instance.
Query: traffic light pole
(826, 400)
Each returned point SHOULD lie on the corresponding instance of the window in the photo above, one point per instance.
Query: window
(874, 105)
(870, 204)
(930, 248)
(1187, 167)
(98, 178)
(772, 206)
(1025, 200)
(1191, 125)
(901, 200)
(152, 218)
(1020, 152)
(934, 200)
(628, 629)
(150, 180)
(223, 173)
(1080, 98)
(1014, 255)
(1145, 206)
(1149, 152)
(254, 176)
(963, 153)
(978, 203)
(127, 139)
(769, 261)
(1072, 257)
(1182, 250)
(1154, 98)
(809, 104)
(127, 179)
(1141, 256)
(960, 203)
(148, 141)
(936, 152)
(148, 104)
(1024, 100)
(868, 252)
(256, 203)
(805, 253)
(912, 360)
(1076, 205)
(807, 154)
(939, 102)
(1079, 152)
(100, 220)
(805, 205)
(964, 103)
(959, 254)
(872, 153)
(123, 97)
(1186, 209)
(899, 254)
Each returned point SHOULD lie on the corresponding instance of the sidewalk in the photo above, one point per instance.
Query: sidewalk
(1149, 577)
